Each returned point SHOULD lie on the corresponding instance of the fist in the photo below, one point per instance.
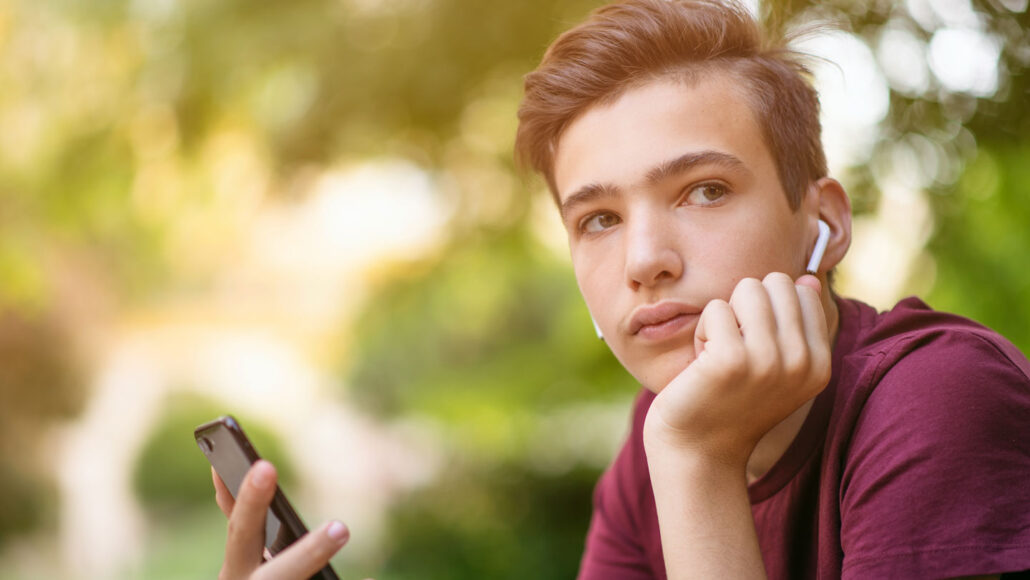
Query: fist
(760, 357)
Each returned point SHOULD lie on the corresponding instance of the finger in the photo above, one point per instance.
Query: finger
(816, 332)
(751, 305)
(717, 323)
(307, 555)
(810, 281)
(222, 496)
(812, 312)
(786, 307)
(246, 538)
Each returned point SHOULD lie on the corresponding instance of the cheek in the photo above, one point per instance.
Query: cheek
(593, 287)
(596, 273)
(751, 254)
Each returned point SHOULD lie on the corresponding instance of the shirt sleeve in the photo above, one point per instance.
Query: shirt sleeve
(937, 475)
(619, 544)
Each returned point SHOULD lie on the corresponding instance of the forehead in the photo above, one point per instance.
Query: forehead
(620, 142)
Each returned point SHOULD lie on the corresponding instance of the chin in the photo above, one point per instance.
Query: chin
(655, 373)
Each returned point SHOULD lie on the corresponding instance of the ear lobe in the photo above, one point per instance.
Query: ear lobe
(834, 208)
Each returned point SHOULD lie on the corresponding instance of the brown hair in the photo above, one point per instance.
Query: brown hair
(630, 43)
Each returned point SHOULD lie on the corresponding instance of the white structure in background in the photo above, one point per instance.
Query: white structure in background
(248, 344)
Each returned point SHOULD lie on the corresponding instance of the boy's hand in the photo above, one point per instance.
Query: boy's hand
(245, 544)
(759, 358)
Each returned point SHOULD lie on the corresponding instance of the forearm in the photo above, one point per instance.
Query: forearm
(704, 516)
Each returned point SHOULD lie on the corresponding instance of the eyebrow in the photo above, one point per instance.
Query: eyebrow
(688, 161)
(664, 170)
(585, 194)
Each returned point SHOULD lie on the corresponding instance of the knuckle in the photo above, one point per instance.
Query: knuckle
(719, 303)
(819, 375)
(748, 284)
(732, 360)
(324, 550)
(235, 528)
(797, 361)
(796, 354)
(766, 369)
(714, 306)
(777, 278)
(825, 371)
(315, 550)
(761, 351)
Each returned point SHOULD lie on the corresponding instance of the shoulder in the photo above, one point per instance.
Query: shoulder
(932, 379)
(913, 346)
(623, 489)
(623, 538)
(956, 390)
(937, 446)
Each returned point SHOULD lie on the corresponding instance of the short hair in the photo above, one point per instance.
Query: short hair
(630, 43)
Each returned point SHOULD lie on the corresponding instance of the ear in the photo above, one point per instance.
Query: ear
(828, 201)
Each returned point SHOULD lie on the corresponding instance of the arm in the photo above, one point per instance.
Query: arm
(760, 357)
(245, 543)
(704, 516)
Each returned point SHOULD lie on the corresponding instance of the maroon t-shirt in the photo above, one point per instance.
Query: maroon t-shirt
(913, 463)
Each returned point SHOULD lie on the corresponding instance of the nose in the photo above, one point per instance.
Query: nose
(652, 252)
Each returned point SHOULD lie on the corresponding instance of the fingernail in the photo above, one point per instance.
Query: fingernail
(337, 531)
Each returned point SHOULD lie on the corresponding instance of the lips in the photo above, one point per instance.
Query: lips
(661, 318)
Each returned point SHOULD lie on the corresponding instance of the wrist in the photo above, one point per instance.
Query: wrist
(708, 452)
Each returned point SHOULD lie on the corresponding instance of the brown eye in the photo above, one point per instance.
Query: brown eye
(706, 194)
(600, 222)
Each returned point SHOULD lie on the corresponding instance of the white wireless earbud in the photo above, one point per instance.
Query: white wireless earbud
(819, 249)
(597, 328)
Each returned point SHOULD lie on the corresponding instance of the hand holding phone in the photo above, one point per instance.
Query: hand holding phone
(261, 518)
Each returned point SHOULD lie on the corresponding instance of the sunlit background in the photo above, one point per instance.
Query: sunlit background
(305, 213)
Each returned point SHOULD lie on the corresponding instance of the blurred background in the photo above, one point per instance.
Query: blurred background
(305, 213)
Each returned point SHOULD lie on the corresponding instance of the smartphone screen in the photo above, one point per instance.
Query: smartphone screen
(231, 453)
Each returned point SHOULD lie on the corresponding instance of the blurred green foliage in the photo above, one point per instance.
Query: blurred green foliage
(494, 320)
(501, 522)
(25, 497)
(490, 337)
(982, 240)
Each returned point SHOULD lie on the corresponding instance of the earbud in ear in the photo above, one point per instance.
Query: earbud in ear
(819, 249)
(597, 328)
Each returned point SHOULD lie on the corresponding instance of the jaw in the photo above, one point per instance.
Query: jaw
(655, 368)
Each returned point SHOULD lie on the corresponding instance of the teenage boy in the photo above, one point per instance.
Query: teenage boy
(782, 430)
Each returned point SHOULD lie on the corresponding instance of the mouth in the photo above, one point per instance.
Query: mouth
(662, 320)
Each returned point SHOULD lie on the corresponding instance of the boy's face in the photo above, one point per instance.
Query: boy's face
(670, 197)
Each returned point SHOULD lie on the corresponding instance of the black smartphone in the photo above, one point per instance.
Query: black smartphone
(231, 453)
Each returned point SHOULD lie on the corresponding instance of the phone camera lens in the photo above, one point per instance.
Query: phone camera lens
(206, 445)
